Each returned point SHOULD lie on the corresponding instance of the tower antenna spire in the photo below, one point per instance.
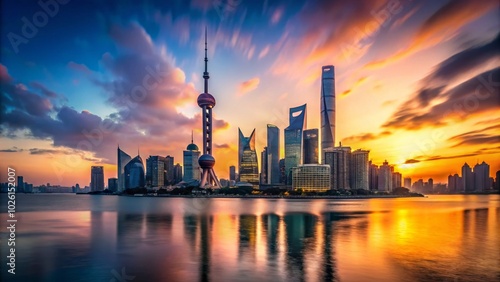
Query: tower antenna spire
(191, 136)
(206, 76)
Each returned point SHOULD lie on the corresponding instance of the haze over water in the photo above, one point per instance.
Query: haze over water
(96, 238)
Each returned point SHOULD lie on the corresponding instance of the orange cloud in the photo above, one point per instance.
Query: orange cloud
(442, 24)
(249, 85)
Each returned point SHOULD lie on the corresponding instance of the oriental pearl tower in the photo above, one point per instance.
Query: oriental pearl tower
(206, 102)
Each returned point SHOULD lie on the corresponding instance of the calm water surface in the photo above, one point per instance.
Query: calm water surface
(109, 238)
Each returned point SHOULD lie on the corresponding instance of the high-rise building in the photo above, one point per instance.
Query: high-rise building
(467, 178)
(20, 184)
(134, 173)
(310, 146)
(273, 154)
(358, 170)
(327, 107)
(385, 177)
(338, 158)
(481, 177)
(112, 184)
(455, 183)
(206, 102)
(177, 173)
(232, 173)
(264, 167)
(293, 139)
(396, 179)
(311, 178)
(123, 159)
(190, 161)
(156, 171)
(247, 159)
(497, 180)
(169, 168)
(373, 176)
(96, 178)
(282, 171)
(407, 182)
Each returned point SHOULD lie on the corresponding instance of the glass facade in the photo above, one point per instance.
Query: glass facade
(247, 159)
(134, 173)
(327, 107)
(311, 178)
(273, 154)
(123, 159)
(155, 171)
(310, 146)
(293, 139)
(191, 166)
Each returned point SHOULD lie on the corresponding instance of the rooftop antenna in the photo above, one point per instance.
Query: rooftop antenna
(206, 76)
(191, 136)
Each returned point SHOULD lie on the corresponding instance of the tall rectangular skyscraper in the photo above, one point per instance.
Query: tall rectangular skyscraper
(310, 146)
(247, 159)
(273, 154)
(358, 171)
(96, 178)
(327, 108)
(339, 159)
(123, 159)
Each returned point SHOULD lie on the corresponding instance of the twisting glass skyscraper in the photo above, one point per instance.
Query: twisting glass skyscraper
(273, 154)
(206, 102)
(327, 107)
(247, 159)
(293, 139)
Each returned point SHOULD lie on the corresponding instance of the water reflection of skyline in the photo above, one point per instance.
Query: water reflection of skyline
(221, 245)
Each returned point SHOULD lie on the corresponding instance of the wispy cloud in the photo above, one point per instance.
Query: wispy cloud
(248, 85)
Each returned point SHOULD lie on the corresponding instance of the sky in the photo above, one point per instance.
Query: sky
(417, 82)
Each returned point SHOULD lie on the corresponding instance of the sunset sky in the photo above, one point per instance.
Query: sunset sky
(417, 82)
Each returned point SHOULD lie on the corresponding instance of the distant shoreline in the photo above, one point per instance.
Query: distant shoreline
(269, 196)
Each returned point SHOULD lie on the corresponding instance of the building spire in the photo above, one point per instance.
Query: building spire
(191, 137)
(206, 76)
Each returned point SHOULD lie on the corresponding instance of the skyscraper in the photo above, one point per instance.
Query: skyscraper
(327, 107)
(396, 180)
(358, 171)
(134, 173)
(113, 184)
(407, 182)
(190, 161)
(155, 171)
(20, 184)
(273, 154)
(373, 177)
(385, 178)
(232, 173)
(206, 102)
(339, 159)
(264, 166)
(170, 169)
(123, 159)
(481, 176)
(96, 178)
(247, 159)
(310, 146)
(311, 177)
(467, 178)
(293, 139)
(177, 173)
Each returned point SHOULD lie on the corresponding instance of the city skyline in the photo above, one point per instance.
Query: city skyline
(406, 76)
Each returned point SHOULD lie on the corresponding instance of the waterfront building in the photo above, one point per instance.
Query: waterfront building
(310, 142)
(311, 178)
(112, 184)
(481, 177)
(247, 159)
(134, 173)
(232, 173)
(96, 178)
(396, 180)
(293, 139)
(373, 177)
(359, 169)
(467, 178)
(190, 161)
(338, 158)
(327, 107)
(273, 154)
(156, 171)
(123, 159)
(407, 182)
(264, 167)
(385, 177)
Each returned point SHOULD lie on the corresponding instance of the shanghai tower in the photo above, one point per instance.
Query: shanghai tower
(206, 102)
(327, 108)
